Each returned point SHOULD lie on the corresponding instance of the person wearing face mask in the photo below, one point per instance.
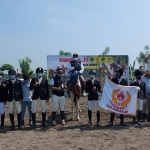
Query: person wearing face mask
(27, 99)
(58, 98)
(141, 94)
(39, 85)
(93, 89)
(121, 81)
(76, 66)
(146, 79)
(14, 97)
(3, 99)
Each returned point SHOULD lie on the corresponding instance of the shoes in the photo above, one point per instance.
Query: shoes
(63, 122)
(110, 124)
(12, 128)
(123, 124)
(89, 123)
(54, 123)
(98, 124)
(30, 122)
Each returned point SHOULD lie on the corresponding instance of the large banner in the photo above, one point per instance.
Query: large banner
(104, 65)
(119, 99)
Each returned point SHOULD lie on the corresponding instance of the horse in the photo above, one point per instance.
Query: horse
(114, 67)
(75, 92)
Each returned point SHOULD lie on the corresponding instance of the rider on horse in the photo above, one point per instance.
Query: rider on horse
(76, 66)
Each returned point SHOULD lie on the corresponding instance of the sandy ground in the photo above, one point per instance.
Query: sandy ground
(75, 135)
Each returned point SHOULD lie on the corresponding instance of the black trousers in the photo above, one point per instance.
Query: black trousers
(112, 116)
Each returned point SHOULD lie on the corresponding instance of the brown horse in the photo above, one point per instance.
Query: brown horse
(114, 67)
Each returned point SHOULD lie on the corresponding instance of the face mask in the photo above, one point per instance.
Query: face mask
(75, 59)
(139, 78)
(39, 75)
(60, 75)
(117, 76)
(11, 77)
(92, 76)
(1, 76)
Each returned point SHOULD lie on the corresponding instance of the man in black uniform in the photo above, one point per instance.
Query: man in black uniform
(118, 80)
(3, 98)
(141, 94)
(39, 85)
(77, 66)
(93, 89)
(14, 97)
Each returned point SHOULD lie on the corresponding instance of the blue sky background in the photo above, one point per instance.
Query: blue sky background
(37, 28)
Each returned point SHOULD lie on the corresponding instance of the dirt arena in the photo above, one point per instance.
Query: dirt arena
(75, 135)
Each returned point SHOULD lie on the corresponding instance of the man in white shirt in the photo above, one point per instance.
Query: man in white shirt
(146, 79)
(147, 61)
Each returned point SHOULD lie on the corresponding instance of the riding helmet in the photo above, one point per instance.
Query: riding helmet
(138, 72)
(11, 72)
(92, 72)
(39, 69)
(75, 55)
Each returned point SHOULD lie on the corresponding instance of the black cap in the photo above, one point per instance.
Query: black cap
(1, 72)
(39, 69)
(11, 72)
(26, 76)
(92, 72)
(120, 71)
(138, 72)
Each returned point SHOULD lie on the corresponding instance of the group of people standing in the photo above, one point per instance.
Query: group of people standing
(30, 92)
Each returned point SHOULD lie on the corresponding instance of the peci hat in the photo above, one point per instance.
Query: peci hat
(39, 69)
(26, 76)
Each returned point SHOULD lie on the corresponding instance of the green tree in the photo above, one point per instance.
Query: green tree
(61, 52)
(106, 51)
(25, 65)
(6, 67)
(143, 55)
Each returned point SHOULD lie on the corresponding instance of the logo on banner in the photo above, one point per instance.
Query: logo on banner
(120, 99)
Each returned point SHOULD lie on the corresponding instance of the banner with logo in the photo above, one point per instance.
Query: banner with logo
(119, 99)
(104, 65)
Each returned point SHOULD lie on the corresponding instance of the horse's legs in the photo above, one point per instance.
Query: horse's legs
(72, 104)
(77, 109)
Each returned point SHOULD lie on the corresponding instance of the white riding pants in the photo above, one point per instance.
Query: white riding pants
(58, 102)
(35, 104)
(11, 106)
(92, 103)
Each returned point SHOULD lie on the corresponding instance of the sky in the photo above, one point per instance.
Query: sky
(37, 28)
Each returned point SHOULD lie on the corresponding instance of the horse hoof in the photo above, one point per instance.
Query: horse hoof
(78, 119)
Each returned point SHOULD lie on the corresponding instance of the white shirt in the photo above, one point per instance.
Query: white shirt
(148, 64)
(51, 81)
(39, 80)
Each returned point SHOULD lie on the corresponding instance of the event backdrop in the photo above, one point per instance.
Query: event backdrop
(104, 65)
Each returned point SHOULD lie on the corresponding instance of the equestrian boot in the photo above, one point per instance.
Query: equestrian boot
(22, 122)
(19, 121)
(112, 116)
(144, 117)
(148, 117)
(139, 117)
(98, 118)
(12, 122)
(134, 120)
(2, 121)
(30, 122)
(34, 120)
(62, 117)
(53, 118)
(122, 120)
(44, 119)
(90, 117)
